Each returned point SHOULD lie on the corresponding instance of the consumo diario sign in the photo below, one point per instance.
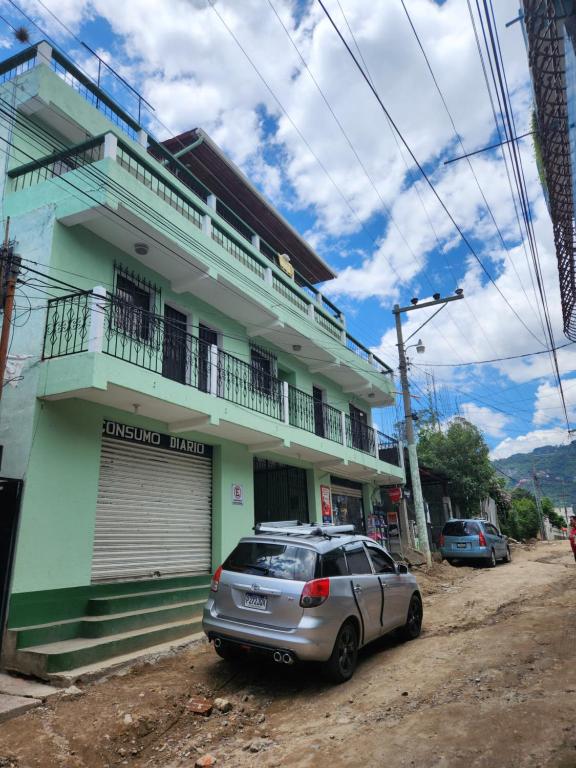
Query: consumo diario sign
(143, 436)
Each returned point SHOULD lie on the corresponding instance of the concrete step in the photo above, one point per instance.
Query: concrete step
(118, 664)
(41, 660)
(102, 626)
(113, 604)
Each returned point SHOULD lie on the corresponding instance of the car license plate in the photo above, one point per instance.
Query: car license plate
(461, 545)
(258, 602)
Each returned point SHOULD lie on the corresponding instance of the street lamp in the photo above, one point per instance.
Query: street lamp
(408, 415)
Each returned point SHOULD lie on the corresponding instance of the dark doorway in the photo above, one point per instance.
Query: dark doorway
(280, 492)
(318, 398)
(206, 337)
(10, 496)
(347, 506)
(174, 357)
(362, 435)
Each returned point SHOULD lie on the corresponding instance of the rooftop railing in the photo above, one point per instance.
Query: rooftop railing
(86, 321)
(227, 228)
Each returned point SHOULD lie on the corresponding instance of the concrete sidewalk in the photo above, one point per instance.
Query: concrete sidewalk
(18, 695)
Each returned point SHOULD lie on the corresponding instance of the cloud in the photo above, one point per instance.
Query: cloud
(489, 421)
(548, 407)
(526, 443)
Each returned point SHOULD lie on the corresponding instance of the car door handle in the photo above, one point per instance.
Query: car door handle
(357, 588)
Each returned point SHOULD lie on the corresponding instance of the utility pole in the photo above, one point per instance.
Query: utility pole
(408, 416)
(536, 485)
(10, 266)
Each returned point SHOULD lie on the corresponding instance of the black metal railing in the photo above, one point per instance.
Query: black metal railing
(93, 94)
(249, 386)
(151, 342)
(388, 448)
(83, 321)
(58, 163)
(67, 325)
(313, 415)
(360, 435)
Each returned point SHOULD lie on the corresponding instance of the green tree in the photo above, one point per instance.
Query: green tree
(548, 511)
(461, 453)
(527, 518)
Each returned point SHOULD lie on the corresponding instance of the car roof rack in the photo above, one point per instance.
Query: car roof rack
(297, 528)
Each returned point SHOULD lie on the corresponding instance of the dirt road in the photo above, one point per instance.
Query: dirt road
(492, 681)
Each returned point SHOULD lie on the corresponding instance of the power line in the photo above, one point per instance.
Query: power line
(498, 359)
(425, 176)
(459, 139)
(369, 177)
(501, 86)
(416, 188)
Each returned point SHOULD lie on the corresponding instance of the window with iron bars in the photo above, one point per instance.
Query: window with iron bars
(264, 369)
(136, 303)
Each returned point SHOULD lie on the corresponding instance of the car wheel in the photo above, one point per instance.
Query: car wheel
(342, 663)
(508, 558)
(413, 626)
(227, 652)
(492, 561)
(450, 560)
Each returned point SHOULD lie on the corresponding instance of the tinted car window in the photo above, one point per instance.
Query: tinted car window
(280, 561)
(461, 528)
(357, 558)
(382, 562)
(334, 563)
(492, 529)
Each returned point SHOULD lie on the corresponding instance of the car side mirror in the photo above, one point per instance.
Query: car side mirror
(401, 568)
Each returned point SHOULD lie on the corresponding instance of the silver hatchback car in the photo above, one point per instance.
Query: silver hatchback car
(309, 593)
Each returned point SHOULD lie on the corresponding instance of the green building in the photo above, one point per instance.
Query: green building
(177, 377)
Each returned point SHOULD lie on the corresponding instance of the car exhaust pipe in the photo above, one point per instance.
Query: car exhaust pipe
(287, 659)
(217, 642)
(277, 656)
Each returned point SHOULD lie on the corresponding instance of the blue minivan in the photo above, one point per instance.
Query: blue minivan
(474, 540)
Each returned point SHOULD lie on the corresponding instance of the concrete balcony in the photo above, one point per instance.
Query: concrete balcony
(100, 350)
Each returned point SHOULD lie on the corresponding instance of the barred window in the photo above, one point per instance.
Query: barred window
(134, 305)
(264, 369)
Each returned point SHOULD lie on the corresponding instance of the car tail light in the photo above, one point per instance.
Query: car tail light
(315, 593)
(481, 539)
(442, 539)
(216, 579)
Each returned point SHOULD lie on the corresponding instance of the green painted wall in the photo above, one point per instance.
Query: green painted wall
(59, 503)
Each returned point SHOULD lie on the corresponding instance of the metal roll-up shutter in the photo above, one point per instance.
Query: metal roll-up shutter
(342, 490)
(153, 513)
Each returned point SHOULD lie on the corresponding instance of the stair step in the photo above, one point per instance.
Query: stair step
(77, 652)
(98, 669)
(107, 624)
(101, 606)
(40, 634)
(111, 624)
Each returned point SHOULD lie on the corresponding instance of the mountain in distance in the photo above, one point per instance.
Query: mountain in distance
(555, 467)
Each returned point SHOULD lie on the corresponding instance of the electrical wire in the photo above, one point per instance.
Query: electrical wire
(372, 182)
(459, 139)
(498, 359)
(425, 176)
(492, 43)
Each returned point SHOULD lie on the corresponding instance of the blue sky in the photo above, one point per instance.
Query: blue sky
(338, 173)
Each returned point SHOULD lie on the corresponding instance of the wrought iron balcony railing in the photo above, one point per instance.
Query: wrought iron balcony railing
(91, 321)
